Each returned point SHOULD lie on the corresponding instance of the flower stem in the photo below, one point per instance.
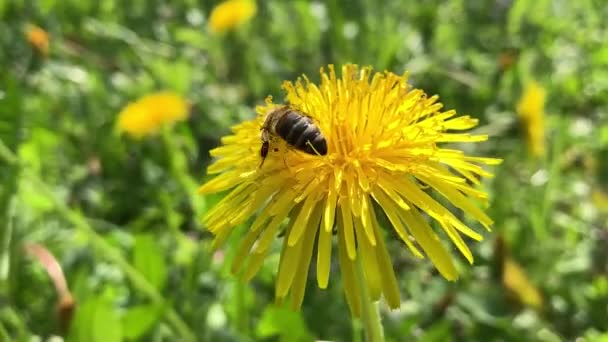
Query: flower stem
(241, 310)
(369, 315)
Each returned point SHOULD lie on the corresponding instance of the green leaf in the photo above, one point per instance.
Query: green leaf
(96, 320)
(440, 331)
(287, 324)
(148, 259)
(6, 236)
(47, 5)
(138, 320)
(191, 37)
(177, 75)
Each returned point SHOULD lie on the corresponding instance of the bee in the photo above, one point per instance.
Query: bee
(296, 128)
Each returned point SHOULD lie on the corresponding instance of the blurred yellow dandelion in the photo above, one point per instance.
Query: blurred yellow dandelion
(230, 14)
(600, 199)
(515, 280)
(531, 109)
(382, 161)
(148, 114)
(38, 37)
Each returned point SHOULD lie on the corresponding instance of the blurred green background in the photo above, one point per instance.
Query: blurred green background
(122, 218)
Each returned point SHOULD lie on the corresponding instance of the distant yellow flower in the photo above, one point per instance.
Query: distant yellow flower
(39, 38)
(382, 161)
(600, 199)
(148, 114)
(230, 14)
(531, 109)
(516, 281)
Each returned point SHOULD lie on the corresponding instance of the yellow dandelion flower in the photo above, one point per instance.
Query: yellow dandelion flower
(531, 109)
(381, 164)
(230, 14)
(516, 281)
(148, 114)
(39, 38)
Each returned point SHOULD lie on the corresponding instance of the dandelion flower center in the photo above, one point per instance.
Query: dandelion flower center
(383, 160)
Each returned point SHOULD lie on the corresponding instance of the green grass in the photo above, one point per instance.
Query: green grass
(123, 219)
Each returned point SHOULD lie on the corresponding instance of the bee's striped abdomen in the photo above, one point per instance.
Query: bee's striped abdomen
(298, 129)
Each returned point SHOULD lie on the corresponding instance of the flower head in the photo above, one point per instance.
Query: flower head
(148, 114)
(531, 109)
(382, 163)
(39, 38)
(230, 14)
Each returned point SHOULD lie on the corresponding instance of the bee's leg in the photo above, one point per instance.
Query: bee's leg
(265, 146)
(263, 152)
(286, 164)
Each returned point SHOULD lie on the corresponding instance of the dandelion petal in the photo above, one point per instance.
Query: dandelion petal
(324, 258)
(423, 233)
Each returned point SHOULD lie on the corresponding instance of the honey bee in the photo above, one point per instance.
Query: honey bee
(296, 128)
